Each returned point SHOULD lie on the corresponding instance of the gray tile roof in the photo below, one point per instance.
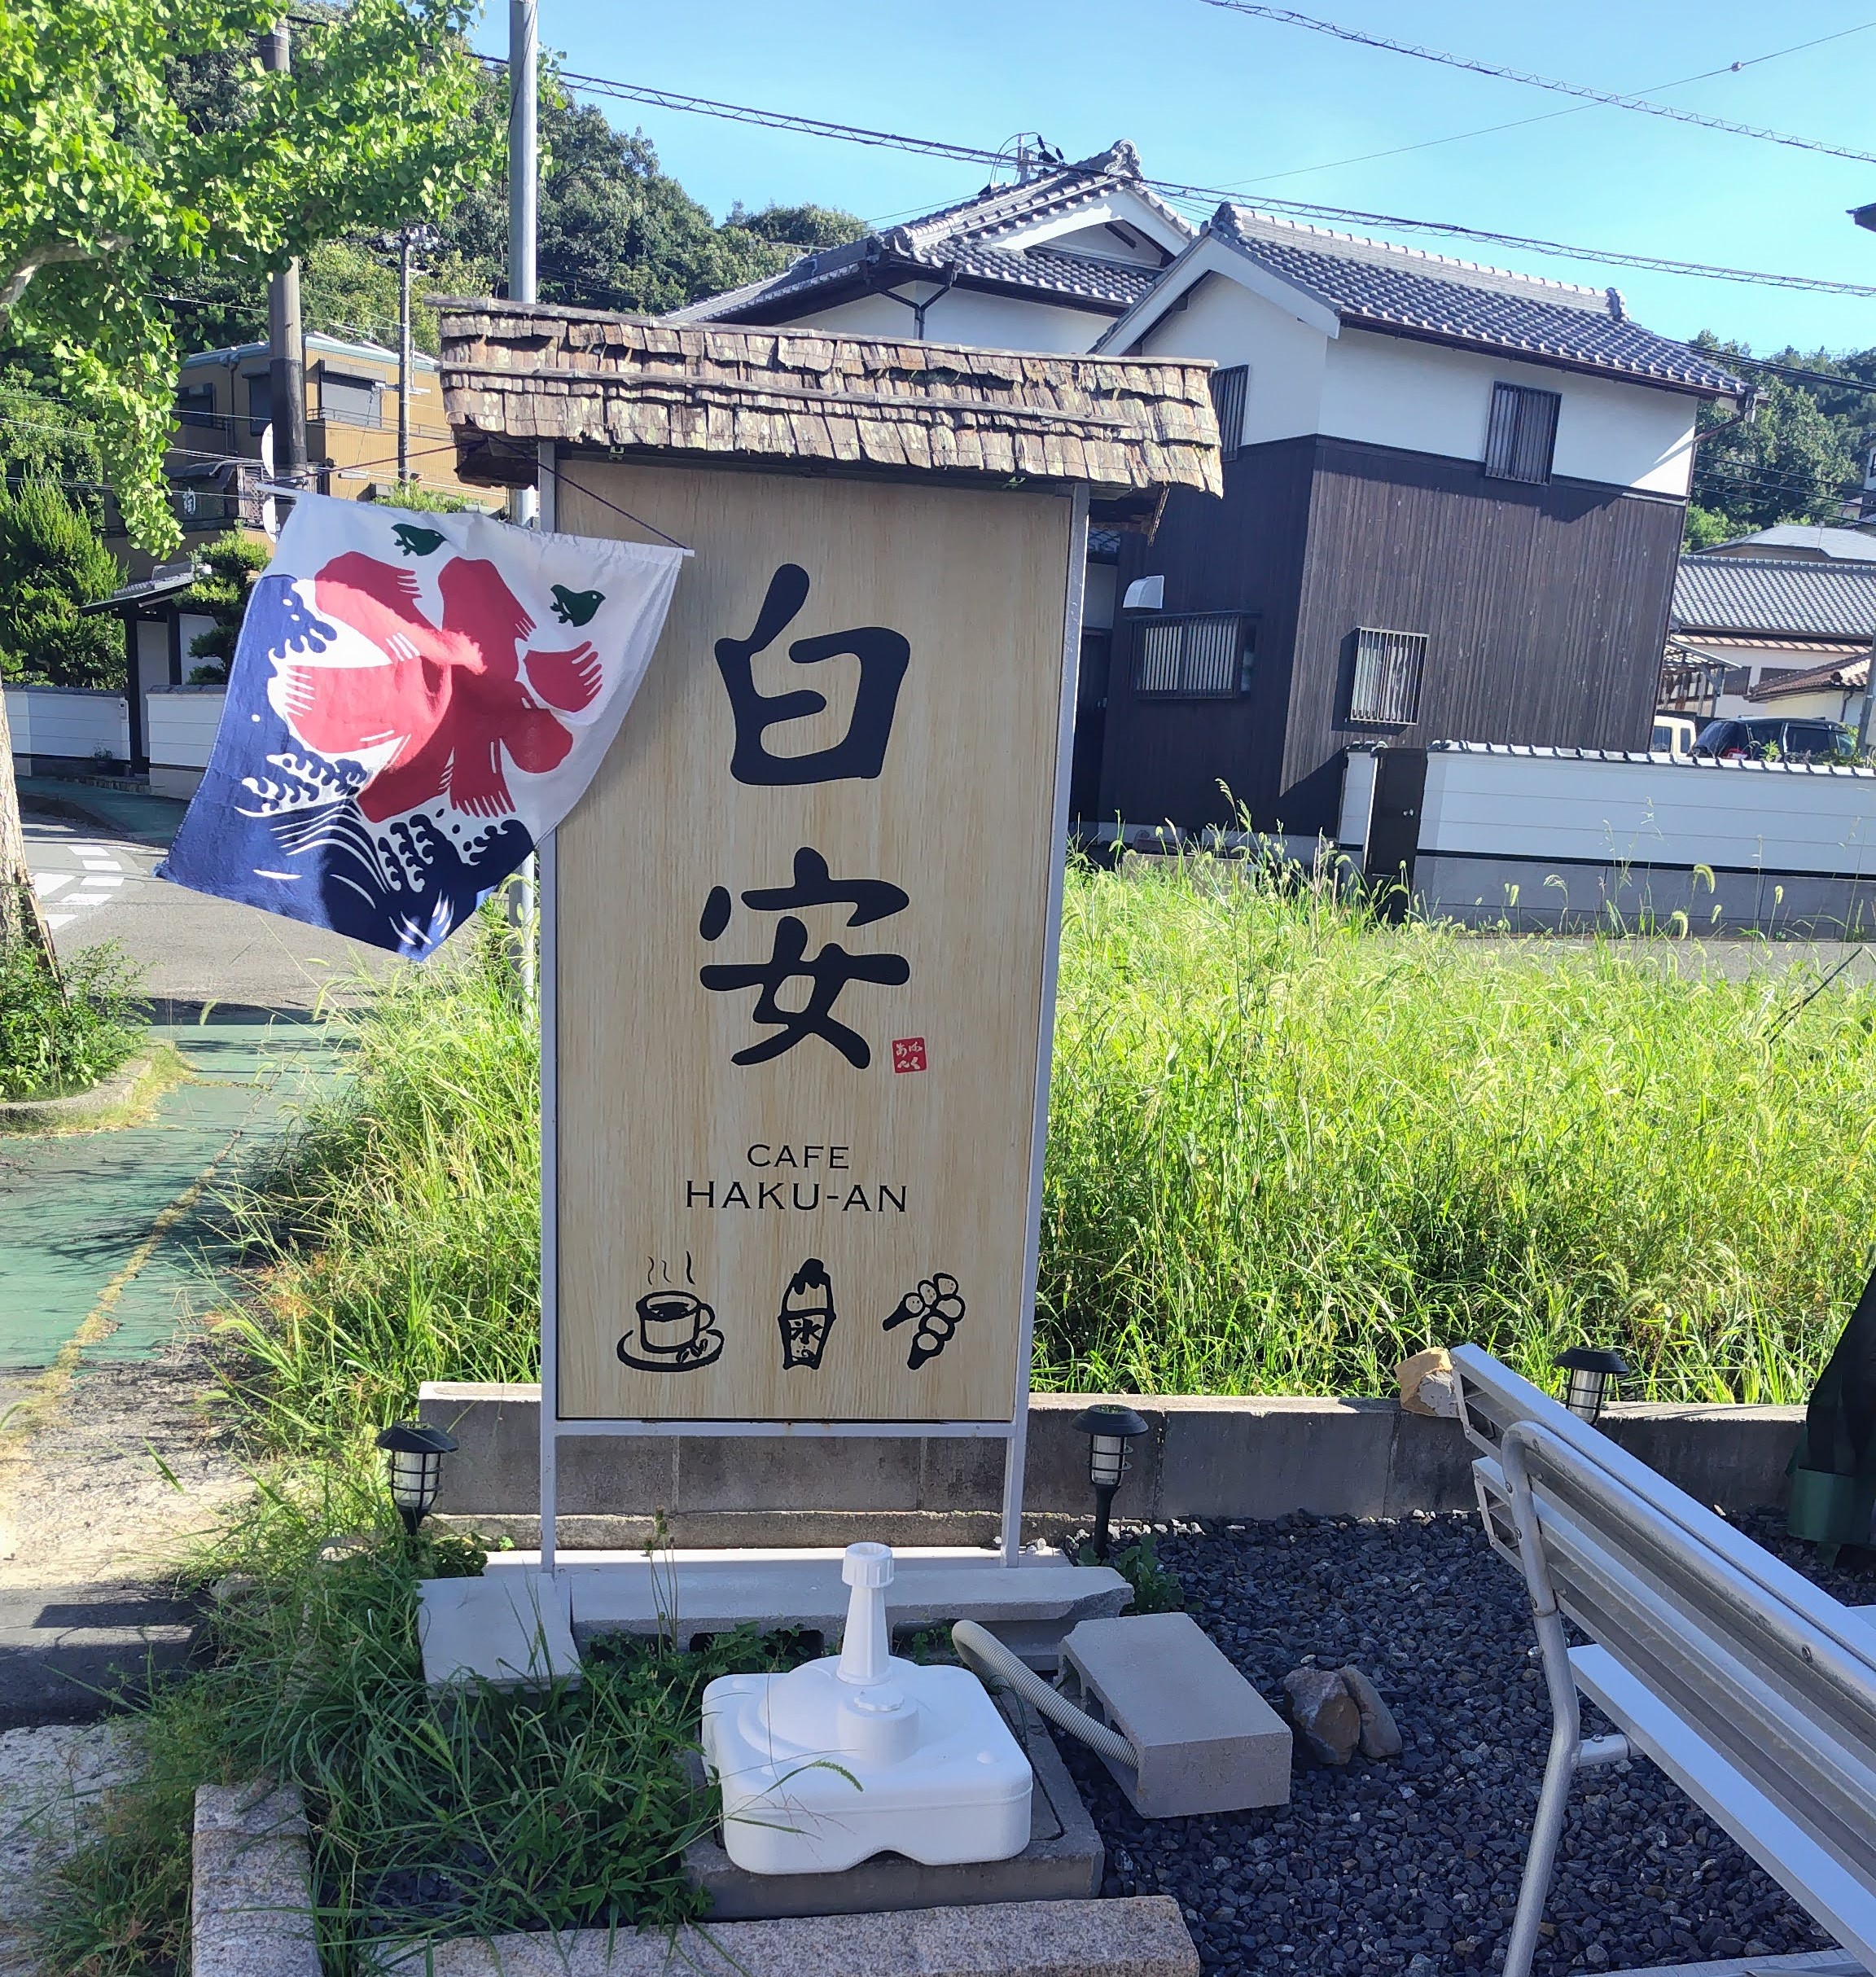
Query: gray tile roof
(1404, 291)
(1803, 539)
(967, 237)
(1743, 594)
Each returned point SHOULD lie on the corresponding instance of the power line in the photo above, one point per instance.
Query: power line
(1543, 116)
(1615, 99)
(1174, 189)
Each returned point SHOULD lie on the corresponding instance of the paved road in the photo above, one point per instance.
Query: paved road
(96, 884)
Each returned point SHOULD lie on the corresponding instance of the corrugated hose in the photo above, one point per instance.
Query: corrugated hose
(978, 1644)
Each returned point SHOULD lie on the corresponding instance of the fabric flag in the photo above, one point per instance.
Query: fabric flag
(416, 700)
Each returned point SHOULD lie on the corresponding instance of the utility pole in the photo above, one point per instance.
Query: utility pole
(404, 359)
(523, 180)
(286, 367)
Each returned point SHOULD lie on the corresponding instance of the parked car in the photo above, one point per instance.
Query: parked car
(1773, 736)
(1674, 735)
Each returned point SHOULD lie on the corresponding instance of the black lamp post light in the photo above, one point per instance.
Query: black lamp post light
(1590, 1369)
(416, 1467)
(1109, 1429)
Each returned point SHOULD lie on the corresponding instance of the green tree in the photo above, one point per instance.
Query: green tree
(231, 563)
(52, 561)
(615, 232)
(1795, 462)
(41, 439)
(120, 188)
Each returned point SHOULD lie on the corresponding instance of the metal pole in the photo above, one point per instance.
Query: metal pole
(404, 357)
(523, 180)
(286, 366)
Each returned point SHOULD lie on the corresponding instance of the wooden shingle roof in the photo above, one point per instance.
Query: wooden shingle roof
(513, 374)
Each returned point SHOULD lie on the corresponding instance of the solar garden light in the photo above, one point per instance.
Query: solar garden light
(1591, 1368)
(1109, 1429)
(416, 1467)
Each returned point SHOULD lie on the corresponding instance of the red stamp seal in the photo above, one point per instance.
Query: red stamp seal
(907, 1053)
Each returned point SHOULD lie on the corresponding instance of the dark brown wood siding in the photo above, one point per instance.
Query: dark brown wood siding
(1163, 760)
(1544, 609)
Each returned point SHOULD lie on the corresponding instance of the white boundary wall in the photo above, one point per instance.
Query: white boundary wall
(72, 723)
(1542, 837)
(181, 726)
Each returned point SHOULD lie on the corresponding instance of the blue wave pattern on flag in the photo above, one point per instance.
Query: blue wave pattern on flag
(399, 729)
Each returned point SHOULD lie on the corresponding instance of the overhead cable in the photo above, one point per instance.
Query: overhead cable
(1615, 99)
(1175, 189)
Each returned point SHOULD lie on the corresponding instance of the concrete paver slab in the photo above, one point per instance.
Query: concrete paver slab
(1136, 1936)
(508, 1628)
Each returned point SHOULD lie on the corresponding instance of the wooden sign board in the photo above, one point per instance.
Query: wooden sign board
(802, 929)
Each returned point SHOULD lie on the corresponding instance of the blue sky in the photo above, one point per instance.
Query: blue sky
(1215, 98)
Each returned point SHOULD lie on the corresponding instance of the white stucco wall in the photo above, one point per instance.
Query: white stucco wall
(966, 316)
(68, 720)
(182, 725)
(1229, 325)
(1393, 391)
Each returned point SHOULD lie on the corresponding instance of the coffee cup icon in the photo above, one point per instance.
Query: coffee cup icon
(676, 1333)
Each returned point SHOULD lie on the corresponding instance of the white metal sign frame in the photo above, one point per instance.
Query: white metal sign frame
(1013, 1433)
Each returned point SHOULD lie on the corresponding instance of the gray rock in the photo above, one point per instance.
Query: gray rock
(1380, 1733)
(1327, 1717)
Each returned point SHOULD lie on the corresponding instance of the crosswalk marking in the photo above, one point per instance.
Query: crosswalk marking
(46, 883)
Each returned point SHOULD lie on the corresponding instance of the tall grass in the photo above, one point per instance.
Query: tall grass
(563, 1807)
(56, 1039)
(1288, 1146)
(398, 1238)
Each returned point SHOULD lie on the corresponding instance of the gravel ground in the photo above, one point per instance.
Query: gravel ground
(1413, 1866)
(48, 1776)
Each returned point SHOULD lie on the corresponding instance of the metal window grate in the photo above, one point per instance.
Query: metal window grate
(1521, 439)
(1388, 666)
(1204, 657)
(1231, 387)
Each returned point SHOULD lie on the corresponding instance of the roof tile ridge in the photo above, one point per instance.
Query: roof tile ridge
(1594, 301)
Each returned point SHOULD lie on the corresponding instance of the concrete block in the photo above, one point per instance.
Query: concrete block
(508, 1627)
(957, 1477)
(1142, 1935)
(1063, 1861)
(1213, 1457)
(1429, 1466)
(715, 1592)
(1055, 1471)
(1206, 1741)
(606, 1473)
(497, 1428)
(1269, 1457)
(1735, 1457)
(783, 1473)
(251, 1907)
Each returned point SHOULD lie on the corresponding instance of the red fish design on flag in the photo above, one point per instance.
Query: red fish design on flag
(397, 736)
(449, 700)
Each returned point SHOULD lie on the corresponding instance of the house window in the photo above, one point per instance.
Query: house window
(195, 405)
(1522, 435)
(260, 400)
(1388, 669)
(353, 402)
(1229, 389)
(1204, 657)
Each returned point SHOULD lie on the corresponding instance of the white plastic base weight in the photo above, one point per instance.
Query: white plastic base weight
(862, 1753)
